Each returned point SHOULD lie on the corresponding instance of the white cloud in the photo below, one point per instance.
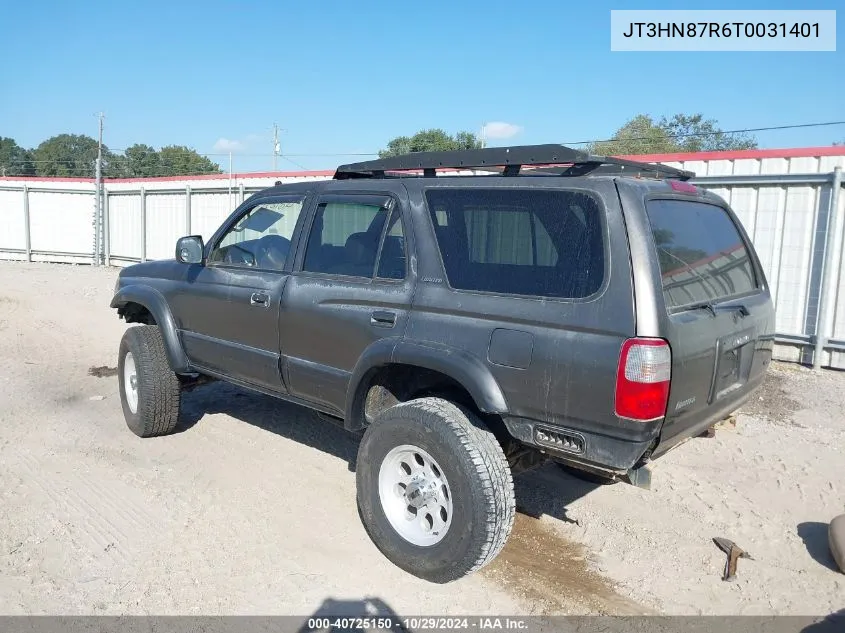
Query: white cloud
(500, 129)
(225, 145)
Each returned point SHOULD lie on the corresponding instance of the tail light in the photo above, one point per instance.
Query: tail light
(642, 379)
(680, 185)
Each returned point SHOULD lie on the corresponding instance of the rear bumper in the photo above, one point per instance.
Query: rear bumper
(597, 452)
(600, 452)
(708, 418)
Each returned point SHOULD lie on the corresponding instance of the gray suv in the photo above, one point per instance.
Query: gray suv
(539, 304)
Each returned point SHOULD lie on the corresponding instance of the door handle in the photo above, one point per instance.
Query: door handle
(259, 299)
(383, 318)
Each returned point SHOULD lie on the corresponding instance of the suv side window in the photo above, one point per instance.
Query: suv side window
(345, 239)
(544, 243)
(261, 238)
(391, 263)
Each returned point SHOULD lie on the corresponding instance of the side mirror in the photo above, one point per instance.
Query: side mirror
(189, 249)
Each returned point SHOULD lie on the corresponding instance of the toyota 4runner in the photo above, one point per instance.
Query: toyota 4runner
(473, 313)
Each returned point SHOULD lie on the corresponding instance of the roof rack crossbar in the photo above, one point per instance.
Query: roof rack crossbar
(512, 159)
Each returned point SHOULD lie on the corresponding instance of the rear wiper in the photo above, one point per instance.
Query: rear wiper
(712, 309)
(743, 311)
(703, 305)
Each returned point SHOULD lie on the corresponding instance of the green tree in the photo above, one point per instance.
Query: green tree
(178, 160)
(694, 133)
(680, 133)
(141, 161)
(67, 155)
(430, 141)
(14, 159)
(640, 135)
(673, 257)
(115, 166)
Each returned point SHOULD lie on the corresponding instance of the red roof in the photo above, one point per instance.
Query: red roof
(256, 174)
(794, 152)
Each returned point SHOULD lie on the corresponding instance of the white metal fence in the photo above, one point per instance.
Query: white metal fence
(788, 206)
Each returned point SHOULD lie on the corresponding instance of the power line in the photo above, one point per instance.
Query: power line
(259, 155)
(293, 162)
(119, 151)
(336, 154)
(171, 169)
(688, 135)
(720, 132)
(275, 144)
(71, 161)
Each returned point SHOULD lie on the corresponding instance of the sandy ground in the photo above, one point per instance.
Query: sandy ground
(250, 508)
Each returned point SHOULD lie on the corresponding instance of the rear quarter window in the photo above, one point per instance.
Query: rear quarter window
(702, 255)
(535, 242)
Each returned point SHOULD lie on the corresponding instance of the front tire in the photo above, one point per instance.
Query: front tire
(149, 389)
(435, 492)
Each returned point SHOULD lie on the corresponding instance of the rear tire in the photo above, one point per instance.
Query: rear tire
(149, 389)
(430, 451)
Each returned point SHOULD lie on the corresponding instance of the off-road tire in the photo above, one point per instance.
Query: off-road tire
(479, 480)
(157, 411)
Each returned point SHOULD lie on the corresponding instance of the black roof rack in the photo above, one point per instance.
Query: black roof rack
(549, 159)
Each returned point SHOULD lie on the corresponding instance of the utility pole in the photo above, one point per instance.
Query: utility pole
(230, 180)
(98, 195)
(276, 146)
(483, 132)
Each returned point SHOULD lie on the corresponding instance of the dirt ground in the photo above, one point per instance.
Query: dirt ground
(250, 508)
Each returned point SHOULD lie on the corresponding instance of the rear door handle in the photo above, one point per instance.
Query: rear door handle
(259, 299)
(383, 318)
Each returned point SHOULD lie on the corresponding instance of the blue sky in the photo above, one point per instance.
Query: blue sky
(346, 76)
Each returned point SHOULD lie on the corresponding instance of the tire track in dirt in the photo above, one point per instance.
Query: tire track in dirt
(99, 517)
(8, 307)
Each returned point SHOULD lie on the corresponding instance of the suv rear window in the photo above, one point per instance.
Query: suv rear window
(701, 253)
(519, 241)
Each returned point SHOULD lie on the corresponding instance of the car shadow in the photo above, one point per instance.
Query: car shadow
(549, 491)
(366, 614)
(543, 491)
(816, 540)
(833, 623)
(294, 422)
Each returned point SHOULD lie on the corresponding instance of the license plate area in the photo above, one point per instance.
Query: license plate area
(734, 358)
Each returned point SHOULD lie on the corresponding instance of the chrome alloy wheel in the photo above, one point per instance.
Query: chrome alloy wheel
(130, 382)
(415, 495)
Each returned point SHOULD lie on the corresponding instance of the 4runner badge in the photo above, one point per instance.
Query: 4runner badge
(684, 403)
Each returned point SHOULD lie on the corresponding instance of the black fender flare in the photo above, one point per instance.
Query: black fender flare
(155, 302)
(461, 366)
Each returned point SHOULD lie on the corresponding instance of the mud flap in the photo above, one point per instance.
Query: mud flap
(639, 477)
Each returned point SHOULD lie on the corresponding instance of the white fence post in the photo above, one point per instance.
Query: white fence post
(143, 225)
(106, 236)
(27, 233)
(187, 209)
(830, 244)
